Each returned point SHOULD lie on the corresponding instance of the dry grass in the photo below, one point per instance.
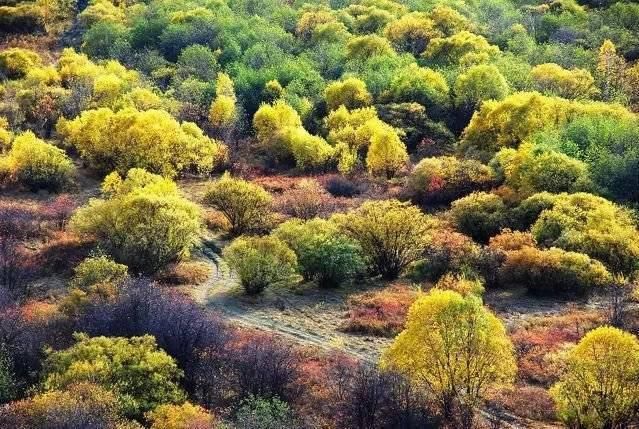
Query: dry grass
(184, 273)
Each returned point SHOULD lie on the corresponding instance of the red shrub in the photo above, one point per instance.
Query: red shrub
(535, 342)
(381, 312)
(59, 210)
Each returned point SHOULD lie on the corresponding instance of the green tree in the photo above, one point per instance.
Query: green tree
(509, 122)
(245, 205)
(419, 84)
(260, 262)
(7, 379)
(531, 169)
(392, 234)
(199, 62)
(599, 387)
(141, 375)
(456, 349)
(479, 83)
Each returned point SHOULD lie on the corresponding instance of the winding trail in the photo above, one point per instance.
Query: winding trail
(223, 293)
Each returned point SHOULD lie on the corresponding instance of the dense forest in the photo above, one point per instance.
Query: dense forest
(319, 214)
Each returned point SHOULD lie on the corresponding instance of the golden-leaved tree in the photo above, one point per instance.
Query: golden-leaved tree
(119, 140)
(599, 387)
(454, 349)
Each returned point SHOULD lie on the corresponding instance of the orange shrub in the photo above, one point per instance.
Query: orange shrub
(511, 240)
(380, 312)
(541, 337)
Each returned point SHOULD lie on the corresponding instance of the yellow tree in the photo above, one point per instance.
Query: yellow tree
(412, 32)
(599, 388)
(386, 153)
(185, 416)
(610, 67)
(456, 350)
(553, 79)
(350, 92)
(223, 113)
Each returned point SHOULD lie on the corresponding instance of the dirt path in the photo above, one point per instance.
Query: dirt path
(308, 317)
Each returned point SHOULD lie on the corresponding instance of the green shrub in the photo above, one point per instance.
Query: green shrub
(479, 215)
(98, 269)
(531, 169)
(527, 212)
(264, 413)
(323, 253)
(392, 234)
(141, 375)
(260, 262)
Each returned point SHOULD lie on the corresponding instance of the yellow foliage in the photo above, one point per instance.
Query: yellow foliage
(144, 222)
(386, 153)
(150, 139)
(555, 80)
(599, 387)
(463, 47)
(185, 416)
(453, 348)
(350, 92)
(281, 134)
(412, 32)
(16, 62)
(509, 122)
(101, 11)
(37, 164)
